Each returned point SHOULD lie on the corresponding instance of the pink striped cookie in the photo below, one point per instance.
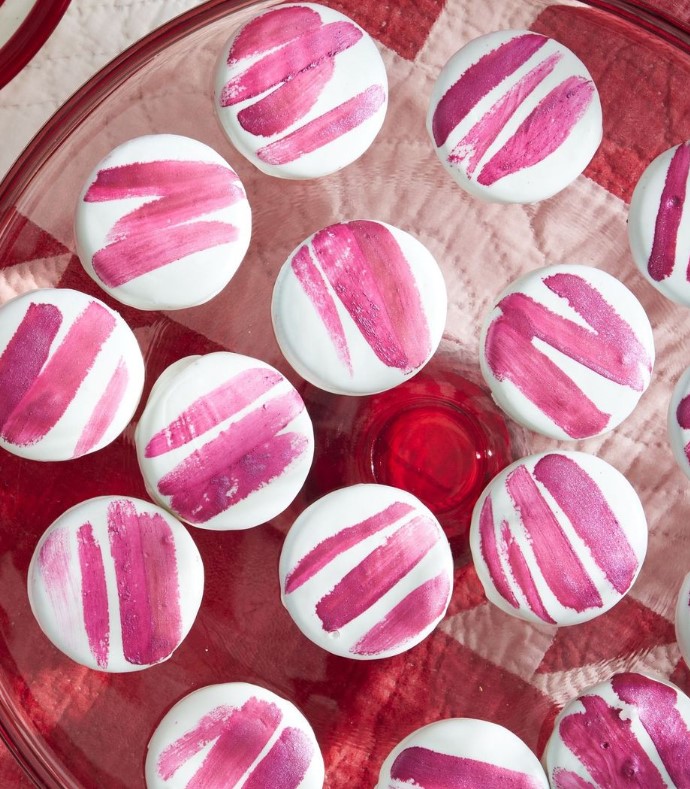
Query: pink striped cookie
(462, 752)
(514, 117)
(682, 619)
(659, 224)
(301, 91)
(366, 572)
(234, 735)
(163, 222)
(224, 442)
(71, 375)
(558, 537)
(678, 422)
(567, 351)
(115, 583)
(631, 731)
(359, 307)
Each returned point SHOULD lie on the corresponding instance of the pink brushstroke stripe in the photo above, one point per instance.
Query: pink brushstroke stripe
(94, 594)
(565, 779)
(313, 284)
(559, 564)
(584, 504)
(479, 79)
(543, 131)
(411, 616)
(207, 412)
(243, 458)
(377, 573)
(324, 129)
(662, 258)
(480, 137)
(332, 547)
(489, 551)
(143, 550)
(25, 354)
(656, 707)
(53, 390)
(423, 767)
(285, 765)
(523, 575)
(105, 410)
(54, 561)
(166, 228)
(605, 743)
(271, 30)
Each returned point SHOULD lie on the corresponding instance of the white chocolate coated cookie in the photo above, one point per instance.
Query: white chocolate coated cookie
(678, 422)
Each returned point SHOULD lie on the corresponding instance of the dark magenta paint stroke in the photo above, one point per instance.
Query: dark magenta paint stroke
(314, 286)
(285, 765)
(523, 575)
(412, 615)
(559, 564)
(143, 550)
(657, 709)
(543, 131)
(166, 228)
(208, 411)
(324, 129)
(584, 505)
(606, 745)
(683, 419)
(566, 779)
(481, 136)
(53, 390)
(94, 594)
(369, 273)
(271, 30)
(662, 258)
(208, 729)
(479, 80)
(246, 456)
(488, 547)
(430, 769)
(364, 585)
(25, 354)
(105, 410)
(329, 549)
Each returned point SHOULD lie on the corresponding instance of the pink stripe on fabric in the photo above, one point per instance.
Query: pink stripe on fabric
(488, 547)
(522, 574)
(285, 765)
(272, 29)
(105, 410)
(94, 594)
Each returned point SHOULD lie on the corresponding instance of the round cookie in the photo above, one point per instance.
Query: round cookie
(366, 572)
(162, 223)
(659, 224)
(237, 735)
(631, 730)
(71, 375)
(359, 307)
(116, 583)
(682, 619)
(558, 537)
(301, 91)
(567, 351)
(224, 442)
(678, 422)
(514, 117)
(462, 752)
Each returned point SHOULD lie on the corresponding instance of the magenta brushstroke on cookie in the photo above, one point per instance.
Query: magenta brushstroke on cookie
(94, 594)
(105, 410)
(519, 567)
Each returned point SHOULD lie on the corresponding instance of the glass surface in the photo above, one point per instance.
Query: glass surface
(72, 727)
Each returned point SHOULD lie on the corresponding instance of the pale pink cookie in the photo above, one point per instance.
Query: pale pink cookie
(558, 538)
(359, 307)
(71, 375)
(631, 730)
(659, 224)
(163, 223)
(678, 422)
(301, 91)
(366, 572)
(116, 583)
(567, 351)
(224, 442)
(462, 752)
(514, 117)
(682, 619)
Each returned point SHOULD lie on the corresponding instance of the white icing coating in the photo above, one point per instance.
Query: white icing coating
(224, 441)
(514, 117)
(659, 224)
(678, 422)
(567, 351)
(359, 307)
(232, 734)
(163, 222)
(301, 91)
(366, 572)
(71, 374)
(482, 754)
(558, 537)
(116, 583)
(682, 619)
